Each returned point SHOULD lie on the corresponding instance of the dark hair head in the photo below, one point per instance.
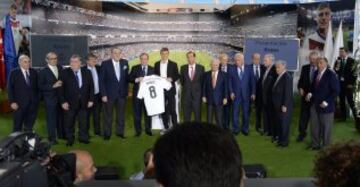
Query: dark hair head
(323, 5)
(198, 155)
(164, 49)
(191, 53)
(144, 54)
(90, 55)
(338, 165)
(13, 6)
(76, 56)
(343, 48)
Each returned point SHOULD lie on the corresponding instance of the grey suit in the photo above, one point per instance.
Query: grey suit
(191, 91)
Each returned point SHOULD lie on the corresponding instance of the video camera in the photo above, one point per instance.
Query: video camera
(25, 160)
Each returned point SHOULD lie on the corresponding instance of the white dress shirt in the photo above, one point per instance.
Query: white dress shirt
(163, 68)
(54, 70)
(191, 68)
(116, 65)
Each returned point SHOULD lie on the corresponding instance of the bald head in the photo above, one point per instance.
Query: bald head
(85, 168)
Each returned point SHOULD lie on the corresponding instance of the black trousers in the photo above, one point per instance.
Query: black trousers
(192, 105)
(70, 117)
(54, 121)
(94, 112)
(24, 117)
(226, 114)
(346, 94)
(305, 110)
(169, 110)
(119, 104)
(282, 126)
(268, 119)
(216, 111)
(258, 112)
(139, 109)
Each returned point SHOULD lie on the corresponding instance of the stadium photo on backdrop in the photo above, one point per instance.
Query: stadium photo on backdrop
(180, 93)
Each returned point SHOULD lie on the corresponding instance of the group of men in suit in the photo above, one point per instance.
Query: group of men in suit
(82, 93)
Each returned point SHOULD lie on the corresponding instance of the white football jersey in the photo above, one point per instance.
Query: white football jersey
(152, 91)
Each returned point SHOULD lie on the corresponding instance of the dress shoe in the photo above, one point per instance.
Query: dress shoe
(138, 134)
(245, 133)
(282, 145)
(121, 136)
(236, 133)
(84, 141)
(69, 144)
(300, 138)
(53, 142)
(149, 133)
(106, 138)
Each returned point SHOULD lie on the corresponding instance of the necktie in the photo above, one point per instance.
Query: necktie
(192, 73)
(117, 70)
(27, 77)
(318, 79)
(77, 78)
(312, 71)
(144, 70)
(213, 79)
(241, 74)
(257, 74)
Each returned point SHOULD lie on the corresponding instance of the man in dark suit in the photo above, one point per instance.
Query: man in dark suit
(267, 84)
(226, 68)
(76, 96)
(215, 91)
(114, 90)
(258, 71)
(191, 76)
(242, 90)
(304, 84)
(168, 69)
(282, 92)
(23, 95)
(91, 65)
(49, 85)
(322, 94)
(137, 74)
(344, 68)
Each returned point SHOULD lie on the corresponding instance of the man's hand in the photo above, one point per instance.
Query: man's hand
(204, 99)
(308, 97)
(225, 101)
(104, 99)
(232, 96)
(139, 79)
(253, 97)
(90, 104)
(169, 79)
(323, 104)
(57, 84)
(14, 106)
(301, 92)
(283, 109)
(65, 106)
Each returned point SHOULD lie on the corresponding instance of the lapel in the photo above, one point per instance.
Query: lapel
(23, 77)
(72, 76)
(168, 68)
(113, 68)
(50, 72)
(217, 79)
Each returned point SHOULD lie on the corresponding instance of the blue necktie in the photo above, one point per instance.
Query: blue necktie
(27, 77)
(241, 74)
(77, 78)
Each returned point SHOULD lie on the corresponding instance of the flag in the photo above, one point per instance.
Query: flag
(329, 45)
(10, 56)
(2, 63)
(339, 42)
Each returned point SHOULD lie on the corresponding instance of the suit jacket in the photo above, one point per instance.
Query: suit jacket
(46, 81)
(109, 84)
(258, 87)
(215, 96)
(242, 88)
(229, 68)
(18, 91)
(172, 72)
(304, 80)
(136, 72)
(70, 91)
(347, 71)
(267, 84)
(326, 90)
(282, 92)
(191, 88)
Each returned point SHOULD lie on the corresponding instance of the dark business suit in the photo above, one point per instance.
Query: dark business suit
(215, 96)
(268, 113)
(26, 95)
(191, 91)
(258, 95)
(227, 108)
(54, 114)
(326, 89)
(77, 98)
(138, 104)
(96, 109)
(346, 76)
(306, 77)
(242, 85)
(116, 92)
(282, 94)
(170, 106)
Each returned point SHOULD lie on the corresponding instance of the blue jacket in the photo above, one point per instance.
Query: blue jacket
(109, 84)
(242, 88)
(217, 95)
